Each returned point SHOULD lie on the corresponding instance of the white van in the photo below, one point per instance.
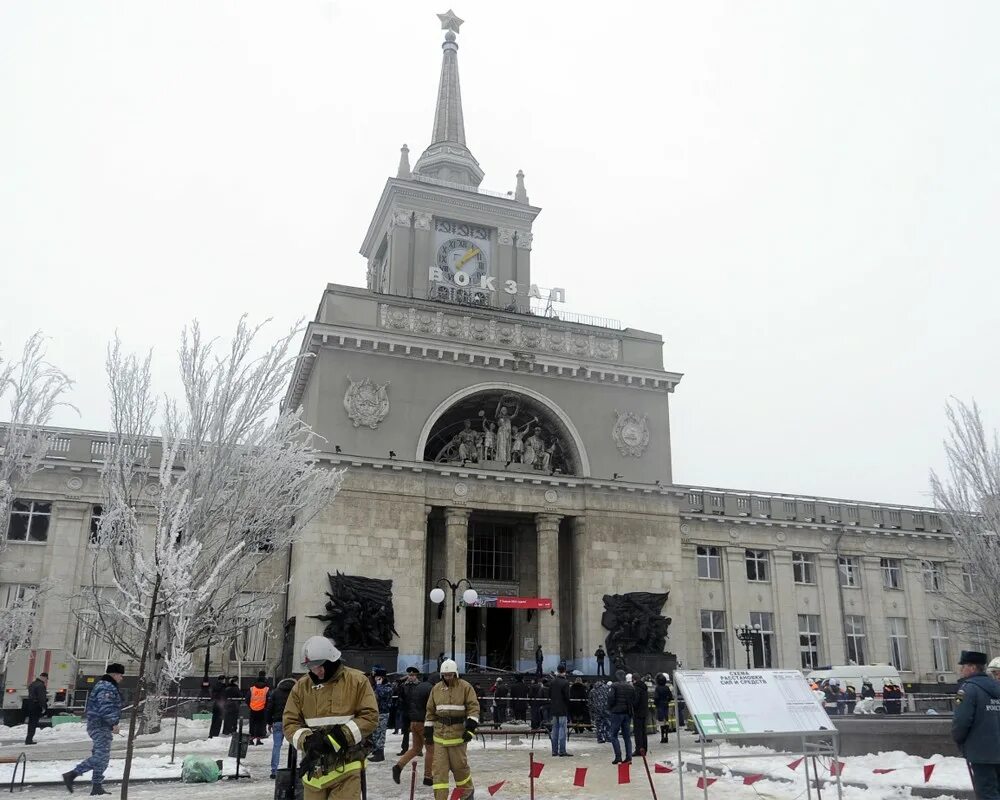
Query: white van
(876, 674)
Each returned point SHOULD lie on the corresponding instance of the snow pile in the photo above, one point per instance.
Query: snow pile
(68, 732)
(143, 767)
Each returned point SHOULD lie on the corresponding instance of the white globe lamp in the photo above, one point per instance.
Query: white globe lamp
(470, 596)
(437, 595)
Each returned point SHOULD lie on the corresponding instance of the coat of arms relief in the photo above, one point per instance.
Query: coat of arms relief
(366, 402)
(631, 433)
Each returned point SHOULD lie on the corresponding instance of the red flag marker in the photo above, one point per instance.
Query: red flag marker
(928, 771)
(704, 783)
(536, 769)
(883, 771)
(662, 768)
(795, 764)
(750, 780)
(837, 767)
(495, 788)
(623, 773)
(580, 778)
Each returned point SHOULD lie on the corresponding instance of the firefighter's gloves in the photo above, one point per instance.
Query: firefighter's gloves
(339, 735)
(428, 733)
(316, 745)
(470, 730)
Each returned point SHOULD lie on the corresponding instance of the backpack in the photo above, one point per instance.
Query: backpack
(258, 698)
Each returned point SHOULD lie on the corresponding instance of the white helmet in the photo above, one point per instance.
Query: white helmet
(448, 666)
(318, 649)
(994, 665)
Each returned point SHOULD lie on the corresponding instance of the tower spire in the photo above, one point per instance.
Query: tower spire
(447, 157)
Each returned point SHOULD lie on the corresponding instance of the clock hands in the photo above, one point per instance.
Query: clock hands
(469, 254)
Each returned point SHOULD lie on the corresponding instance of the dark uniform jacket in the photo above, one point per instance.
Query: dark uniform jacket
(640, 705)
(621, 698)
(975, 725)
(277, 699)
(38, 694)
(414, 697)
(559, 697)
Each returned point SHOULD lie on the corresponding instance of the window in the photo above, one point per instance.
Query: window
(709, 563)
(899, 648)
(809, 640)
(254, 613)
(977, 637)
(29, 521)
(763, 643)
(757, 566)
(892, 573)
(713, 638)
(932, 575)
(939, 645)
(91, 644)
(96, 512)
(803, 568)
(491, 552)
(967, 585)
(854, 628)
(850, 571)
(18, 603)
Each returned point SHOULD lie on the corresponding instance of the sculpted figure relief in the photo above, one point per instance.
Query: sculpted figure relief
(503, 437)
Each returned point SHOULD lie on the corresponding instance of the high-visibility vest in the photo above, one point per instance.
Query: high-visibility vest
(258, 698)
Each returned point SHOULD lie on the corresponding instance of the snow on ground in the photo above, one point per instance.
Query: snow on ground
(496, 763)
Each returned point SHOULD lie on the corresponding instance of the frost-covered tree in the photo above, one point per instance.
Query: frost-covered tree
(185, 533)
(968, 497)
(32, 389)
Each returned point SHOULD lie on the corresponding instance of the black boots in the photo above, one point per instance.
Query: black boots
(98, 789)
(397, 771)
(664, 731)
(68, 778)
(377, 755)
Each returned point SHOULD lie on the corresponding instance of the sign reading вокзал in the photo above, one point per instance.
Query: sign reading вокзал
(751, 702)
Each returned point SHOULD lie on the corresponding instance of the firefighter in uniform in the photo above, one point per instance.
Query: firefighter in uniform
(452, 718)
(330, 714)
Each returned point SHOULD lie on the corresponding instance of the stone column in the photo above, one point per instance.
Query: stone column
(456, 537)
(547, 533)
(583, 643)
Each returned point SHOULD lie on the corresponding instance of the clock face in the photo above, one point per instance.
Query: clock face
(461, 256)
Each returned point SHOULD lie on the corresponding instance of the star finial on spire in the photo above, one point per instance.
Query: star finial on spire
(450, 21)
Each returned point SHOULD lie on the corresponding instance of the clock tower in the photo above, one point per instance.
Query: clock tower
(435, 234)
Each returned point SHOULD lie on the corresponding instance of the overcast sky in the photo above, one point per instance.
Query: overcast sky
(802, 197)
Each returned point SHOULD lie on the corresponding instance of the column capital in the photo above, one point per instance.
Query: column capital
(454, 515)
(547, 521)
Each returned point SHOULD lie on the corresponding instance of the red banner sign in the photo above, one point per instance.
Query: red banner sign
(489, 601)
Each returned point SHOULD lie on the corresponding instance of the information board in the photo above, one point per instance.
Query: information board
(759, 701)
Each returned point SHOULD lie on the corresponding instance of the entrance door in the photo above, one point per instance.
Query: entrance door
(489, 637)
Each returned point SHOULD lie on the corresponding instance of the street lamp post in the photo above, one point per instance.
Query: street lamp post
(746, 634)
(469, 596)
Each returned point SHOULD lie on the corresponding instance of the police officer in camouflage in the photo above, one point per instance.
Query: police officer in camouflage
(104, 710)
(975, 725)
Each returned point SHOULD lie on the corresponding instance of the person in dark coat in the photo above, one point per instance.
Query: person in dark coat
(662, 698)
(535, 701)
(104, 711)
(234, 696)
(975, 724)
(597, 702)
(852, 698)
(600, 655)
(500, 693)
(539, 658)
(413, 697)
(559, 711)
(519, 698)
(867, 690)
(38, 704)
(276, 700)
(621, 701)
(402, 722)
(579, 715)
(892, 698)
(256, 699)
(640, 713)
(218, 694)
